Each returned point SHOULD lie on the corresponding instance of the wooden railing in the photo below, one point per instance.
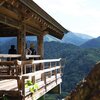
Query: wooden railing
(17, 56)
(46, 78)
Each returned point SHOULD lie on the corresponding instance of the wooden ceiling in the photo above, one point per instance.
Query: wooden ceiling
(14, 13)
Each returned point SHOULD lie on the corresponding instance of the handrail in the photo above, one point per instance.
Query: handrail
(44, 61)
(9, 55)
(37, 61)
(17, 56)
(41, 71)
(47, 76)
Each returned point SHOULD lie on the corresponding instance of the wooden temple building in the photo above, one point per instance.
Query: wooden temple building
(21, 18)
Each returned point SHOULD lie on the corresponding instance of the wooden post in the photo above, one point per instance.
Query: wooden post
(21, 41)
(40, 50)
(43, 78)
(40, 46)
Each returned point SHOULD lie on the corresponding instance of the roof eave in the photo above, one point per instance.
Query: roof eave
(34, 7)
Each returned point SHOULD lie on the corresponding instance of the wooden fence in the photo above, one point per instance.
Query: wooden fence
(15, 75)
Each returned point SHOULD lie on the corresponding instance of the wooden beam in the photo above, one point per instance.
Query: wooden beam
(9, 21)
(40, 46)
(15, 24)
(11, 9)
(33, 30)
(2, 2)
(8, 33)
(58, 34)
(21, 41)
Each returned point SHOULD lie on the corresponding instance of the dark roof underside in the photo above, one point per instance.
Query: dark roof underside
(36, 20)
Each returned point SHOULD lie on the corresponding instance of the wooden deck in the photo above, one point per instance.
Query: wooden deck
(13, 83)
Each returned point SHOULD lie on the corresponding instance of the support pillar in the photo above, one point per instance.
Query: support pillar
(21, 41)
(40, 50)
(40, 47)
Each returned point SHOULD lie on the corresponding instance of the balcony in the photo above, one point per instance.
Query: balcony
(15, 75)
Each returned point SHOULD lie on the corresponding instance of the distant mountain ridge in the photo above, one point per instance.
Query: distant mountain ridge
(93, 43)
(83, 36)
(72, 38)
(76, 38)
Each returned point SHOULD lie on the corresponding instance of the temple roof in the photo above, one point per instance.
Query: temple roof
(17, 13)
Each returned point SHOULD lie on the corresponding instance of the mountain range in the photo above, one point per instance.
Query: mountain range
(76, 38)
(93, 43)
(72, 38)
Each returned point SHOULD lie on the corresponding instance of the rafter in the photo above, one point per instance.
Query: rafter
(2, 2)
(15, 24)
(10, 7)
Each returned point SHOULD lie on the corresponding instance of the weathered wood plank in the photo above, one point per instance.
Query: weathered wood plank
(8, 85)
(7, 63)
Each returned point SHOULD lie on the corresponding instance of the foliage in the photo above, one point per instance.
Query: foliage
(4, 97)
(32, 87)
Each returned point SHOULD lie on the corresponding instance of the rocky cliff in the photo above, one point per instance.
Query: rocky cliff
(88, 88)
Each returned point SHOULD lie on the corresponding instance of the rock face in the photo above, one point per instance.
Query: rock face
(89, 88)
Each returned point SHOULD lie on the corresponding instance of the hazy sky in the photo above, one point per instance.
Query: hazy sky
(82, 16)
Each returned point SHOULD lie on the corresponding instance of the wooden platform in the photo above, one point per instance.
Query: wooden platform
(47, 79)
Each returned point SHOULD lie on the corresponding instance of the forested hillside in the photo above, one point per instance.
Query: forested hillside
(89, 88)
(77, 61)
(93, 43)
